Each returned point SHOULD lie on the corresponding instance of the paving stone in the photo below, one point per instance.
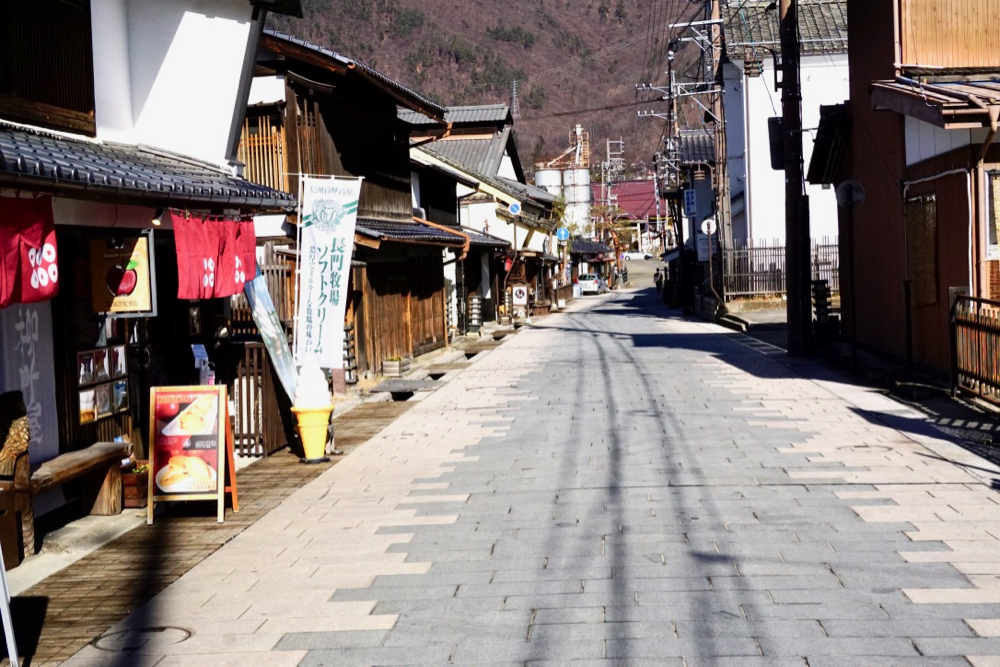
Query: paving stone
(620, 487)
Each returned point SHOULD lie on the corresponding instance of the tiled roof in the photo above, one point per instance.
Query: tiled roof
(482, 156)
(588, 247)
(528, 190)
(409, 97)
(405, 232)
(481, 239)
(484, 114)
(637, 199)
(750, 24)
(696, 146)
(47, 159)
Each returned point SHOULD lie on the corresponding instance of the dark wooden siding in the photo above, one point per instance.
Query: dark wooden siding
(437, 195)
(46, 63)
(875, 157)
(402, 307)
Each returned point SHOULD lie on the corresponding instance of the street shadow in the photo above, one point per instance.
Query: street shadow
(979, 435)
(28, 614)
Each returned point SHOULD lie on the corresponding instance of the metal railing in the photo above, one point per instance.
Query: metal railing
(757, 268)
(975, 347)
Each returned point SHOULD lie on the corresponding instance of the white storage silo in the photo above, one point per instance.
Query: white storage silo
(576, 189)
(551, 180)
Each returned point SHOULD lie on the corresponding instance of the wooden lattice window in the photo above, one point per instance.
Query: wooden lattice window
(921, 249)
(46, 63)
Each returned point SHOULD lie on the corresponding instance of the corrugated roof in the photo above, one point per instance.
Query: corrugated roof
(750, 24)
(48, 159)
(942, 103)
(404, 232)
(483, 156)
(498, 114)
(696, 146)
(637, 199)
(407, 96)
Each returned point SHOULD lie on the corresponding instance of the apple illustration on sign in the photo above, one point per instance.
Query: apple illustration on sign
(122, 280)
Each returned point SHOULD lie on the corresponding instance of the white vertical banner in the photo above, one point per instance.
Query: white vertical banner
(328, 210)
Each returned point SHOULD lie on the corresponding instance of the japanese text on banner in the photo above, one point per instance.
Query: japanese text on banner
(329, 210)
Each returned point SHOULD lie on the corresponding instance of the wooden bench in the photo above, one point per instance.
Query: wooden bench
(99, 469)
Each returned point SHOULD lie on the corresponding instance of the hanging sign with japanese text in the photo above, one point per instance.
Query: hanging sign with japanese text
(329, 210)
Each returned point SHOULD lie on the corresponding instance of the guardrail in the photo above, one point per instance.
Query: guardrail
(758, 268)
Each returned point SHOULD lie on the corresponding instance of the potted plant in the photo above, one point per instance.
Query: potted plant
(135, 483)
(395, 367)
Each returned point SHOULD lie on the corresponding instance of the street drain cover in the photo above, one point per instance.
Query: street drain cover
(864, 449)
(136, 638)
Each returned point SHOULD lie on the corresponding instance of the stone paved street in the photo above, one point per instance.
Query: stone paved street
(612, 486)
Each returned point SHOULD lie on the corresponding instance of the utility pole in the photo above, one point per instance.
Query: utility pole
(797, 259)
(723, 200)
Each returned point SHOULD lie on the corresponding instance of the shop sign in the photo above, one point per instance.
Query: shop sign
(29, 265)
(215, 256)
(191, 442)
(520, 295)
(329, 210)
(27, 364)
(122, 276)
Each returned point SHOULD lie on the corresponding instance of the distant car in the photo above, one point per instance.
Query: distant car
(635, 254)
(591, 283)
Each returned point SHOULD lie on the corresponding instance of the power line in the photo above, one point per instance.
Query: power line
(609, 107)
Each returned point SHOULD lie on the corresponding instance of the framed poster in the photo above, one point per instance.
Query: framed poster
(102, 365)
(88, 406)
(123, 275)
(191, 440)
(103, 400)
(119, 396)
(84, 368)
(119, 362)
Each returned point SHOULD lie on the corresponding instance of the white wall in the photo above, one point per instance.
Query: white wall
(506, 169)
(924, 141)
(112, 74)
(736, 141)
(482, 216)
(267, 90)
(185, 63)
(824, 82)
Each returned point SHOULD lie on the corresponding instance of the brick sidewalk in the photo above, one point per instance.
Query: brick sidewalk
(612, 487)
(65, 612)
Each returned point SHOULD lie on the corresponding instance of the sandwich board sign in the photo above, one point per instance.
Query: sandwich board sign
(190, 446)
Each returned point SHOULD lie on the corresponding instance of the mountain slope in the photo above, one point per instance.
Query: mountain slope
(575, 61)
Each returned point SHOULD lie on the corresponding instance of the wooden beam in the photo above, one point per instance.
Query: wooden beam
(367, 242)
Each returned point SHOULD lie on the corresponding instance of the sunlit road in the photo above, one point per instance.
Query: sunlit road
(615, 485)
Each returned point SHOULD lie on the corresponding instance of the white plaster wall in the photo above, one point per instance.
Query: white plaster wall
(185, 65)
(506, 169)
(112, 81)
(736, 141)
(267, 90)
(924, 141)
(824, 81)
(482, 216)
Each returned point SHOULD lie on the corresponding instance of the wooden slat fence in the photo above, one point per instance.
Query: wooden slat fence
(257, 426)
(757, 268)
(975, 347)
(262, 152)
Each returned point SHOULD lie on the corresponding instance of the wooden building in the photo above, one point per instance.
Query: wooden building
(313, 111)
(919, 135)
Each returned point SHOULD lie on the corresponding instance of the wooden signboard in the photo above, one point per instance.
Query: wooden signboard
(191, 443)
